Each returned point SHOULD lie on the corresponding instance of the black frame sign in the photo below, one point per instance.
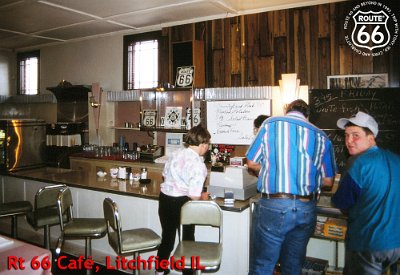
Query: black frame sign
(184, 76)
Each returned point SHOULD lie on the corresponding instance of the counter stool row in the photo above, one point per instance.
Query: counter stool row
(54, 206)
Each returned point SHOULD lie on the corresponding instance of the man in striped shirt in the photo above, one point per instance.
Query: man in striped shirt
(294, 160)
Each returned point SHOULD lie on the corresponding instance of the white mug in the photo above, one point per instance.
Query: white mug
(122, 172)
(114, 172)
(101, 174)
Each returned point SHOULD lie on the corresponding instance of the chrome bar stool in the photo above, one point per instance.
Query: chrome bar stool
(209, 254)
(77, 228)
(14, 209)
(45, 212)
(127, 242)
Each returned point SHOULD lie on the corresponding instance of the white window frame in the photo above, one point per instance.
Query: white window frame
(28, 73)
(141, 61)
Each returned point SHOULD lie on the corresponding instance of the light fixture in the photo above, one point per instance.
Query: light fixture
(289, 90)
(290, 87)
(93, 102)
(162, 86)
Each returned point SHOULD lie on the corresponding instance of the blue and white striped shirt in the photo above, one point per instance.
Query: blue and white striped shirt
(294, 155)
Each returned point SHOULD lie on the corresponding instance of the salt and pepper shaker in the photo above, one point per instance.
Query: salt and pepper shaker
(143, 173)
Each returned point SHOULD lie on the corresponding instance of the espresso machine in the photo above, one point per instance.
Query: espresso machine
(68, 135)
(62, 140)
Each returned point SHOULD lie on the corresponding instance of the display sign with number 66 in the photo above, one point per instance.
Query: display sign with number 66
(184, 76)
(149, 118)
(196, 117)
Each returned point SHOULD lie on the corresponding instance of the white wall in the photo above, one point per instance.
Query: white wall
(7, 73)
(84, 63)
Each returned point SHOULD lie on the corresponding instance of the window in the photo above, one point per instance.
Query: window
(141, 60)
(28, 73)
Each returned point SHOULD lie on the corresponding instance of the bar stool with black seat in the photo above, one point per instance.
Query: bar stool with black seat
(209, 254)
(45, 212)
(14, 209)
(131, 241)
(77, 228)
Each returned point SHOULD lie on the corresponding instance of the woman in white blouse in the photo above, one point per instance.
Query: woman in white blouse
(184, 176)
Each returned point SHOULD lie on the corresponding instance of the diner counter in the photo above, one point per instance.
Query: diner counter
(90, 164)
(88, 179)
(138, 204)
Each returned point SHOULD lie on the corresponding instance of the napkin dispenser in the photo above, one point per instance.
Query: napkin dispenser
(123, 172)
(234, 178)
(151, 153)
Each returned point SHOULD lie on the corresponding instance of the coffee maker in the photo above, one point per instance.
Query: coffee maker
(70, 132)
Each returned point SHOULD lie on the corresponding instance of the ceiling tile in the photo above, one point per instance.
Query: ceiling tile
(105, 8)
(33, 17)
(170, 14)
(84, 30)
(21, 20)
(20, 41)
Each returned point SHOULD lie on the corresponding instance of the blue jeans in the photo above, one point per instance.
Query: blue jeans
(369, 263)
(281, 229)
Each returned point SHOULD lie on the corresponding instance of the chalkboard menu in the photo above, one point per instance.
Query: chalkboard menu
(327, 106)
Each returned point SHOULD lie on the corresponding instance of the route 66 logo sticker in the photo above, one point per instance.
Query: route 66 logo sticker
(378, 38)
(374, 28)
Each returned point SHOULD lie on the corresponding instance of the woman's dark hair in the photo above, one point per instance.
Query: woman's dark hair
(299, 105)
(196, 136)
(259, 120)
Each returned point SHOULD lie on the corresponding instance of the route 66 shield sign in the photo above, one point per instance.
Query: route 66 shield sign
(370, 30)
(184, 76)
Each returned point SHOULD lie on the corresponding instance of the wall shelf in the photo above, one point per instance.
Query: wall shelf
(125, 128)
(162, 129)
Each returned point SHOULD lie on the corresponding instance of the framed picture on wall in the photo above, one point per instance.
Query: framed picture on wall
(173, 117)
(352, 81)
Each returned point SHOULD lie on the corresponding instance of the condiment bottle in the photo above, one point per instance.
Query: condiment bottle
(143, 173)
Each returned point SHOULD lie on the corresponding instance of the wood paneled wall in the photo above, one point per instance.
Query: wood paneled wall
(254, 50)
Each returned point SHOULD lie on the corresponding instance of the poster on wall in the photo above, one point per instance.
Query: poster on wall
(354, 81)
(173, 117)
(173, 142)
(231, 122)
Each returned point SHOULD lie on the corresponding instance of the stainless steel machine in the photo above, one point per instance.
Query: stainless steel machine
(234, 179)
(22, 144)
(70, 132)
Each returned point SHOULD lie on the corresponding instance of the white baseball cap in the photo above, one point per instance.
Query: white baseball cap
(360, 119)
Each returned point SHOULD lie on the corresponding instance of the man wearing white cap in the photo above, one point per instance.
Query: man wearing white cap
(369, 192)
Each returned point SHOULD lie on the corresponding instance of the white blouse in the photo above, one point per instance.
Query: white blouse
(184, 174)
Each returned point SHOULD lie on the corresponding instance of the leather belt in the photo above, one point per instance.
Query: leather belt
(288, 196)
